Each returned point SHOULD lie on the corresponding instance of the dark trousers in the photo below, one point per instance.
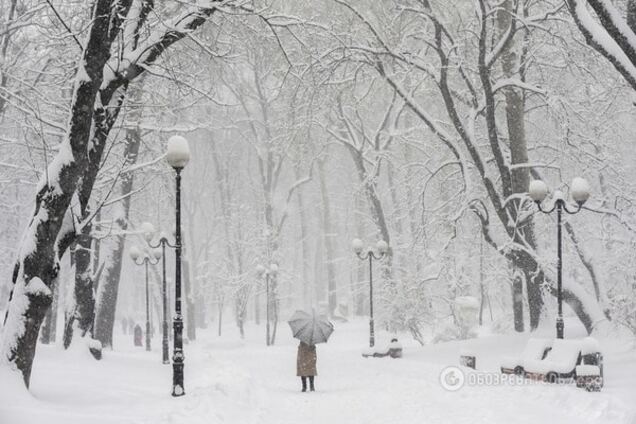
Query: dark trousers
(311, 383)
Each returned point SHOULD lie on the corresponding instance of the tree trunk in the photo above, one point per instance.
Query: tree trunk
(37, 266)
(520, 176)
(328, 236)
(306, 289)
(274, 305)
(360, 291)
(191, 330)
(108, 289)
(49, 327)
(377, 214)
(83, 311)
(517, 300)
(220, 323)
(257, 308)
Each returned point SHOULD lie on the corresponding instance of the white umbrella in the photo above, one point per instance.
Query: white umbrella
(310, 328)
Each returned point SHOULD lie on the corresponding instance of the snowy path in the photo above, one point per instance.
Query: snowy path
(352, 389)
(236, 382)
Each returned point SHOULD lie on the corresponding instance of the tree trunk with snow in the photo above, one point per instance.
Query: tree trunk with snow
(38, 263)
(91, 113)
(83, 311)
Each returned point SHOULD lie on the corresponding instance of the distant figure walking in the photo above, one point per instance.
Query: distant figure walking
(138, 334)
(306, 365)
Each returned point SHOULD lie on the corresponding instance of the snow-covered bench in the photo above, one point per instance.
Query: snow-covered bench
(562, 360)
(536, 349)
(394, 350)
(589, 374)
(591, 353)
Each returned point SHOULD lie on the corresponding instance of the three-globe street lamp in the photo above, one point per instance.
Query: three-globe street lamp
(145, 260)
(177, 156)
(382, 248)
(580, 191)
(267, 273)
(148, 231)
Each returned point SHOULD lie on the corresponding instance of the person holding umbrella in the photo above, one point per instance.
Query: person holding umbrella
(306, 365)
(310, 330)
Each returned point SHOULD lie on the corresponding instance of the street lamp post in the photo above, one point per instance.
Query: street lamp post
(580, 191)
(149, 230)
(267, 273)
(382, 248)
(177, 156)
(145, 260)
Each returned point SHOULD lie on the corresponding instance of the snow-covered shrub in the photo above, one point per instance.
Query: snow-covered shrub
(466, 309)
(623, 306)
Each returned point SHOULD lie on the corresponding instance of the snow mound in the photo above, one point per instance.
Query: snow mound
(12, 386)
(220, 393)
(589, 345)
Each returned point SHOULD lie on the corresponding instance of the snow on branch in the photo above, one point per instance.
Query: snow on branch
(132, 63)
(615, 25)
(600, 38)
(510, 82)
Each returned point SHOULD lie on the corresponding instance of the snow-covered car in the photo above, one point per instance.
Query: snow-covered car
(536, 349)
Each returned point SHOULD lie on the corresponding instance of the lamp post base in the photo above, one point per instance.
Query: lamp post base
(177, 381)
(178, 358)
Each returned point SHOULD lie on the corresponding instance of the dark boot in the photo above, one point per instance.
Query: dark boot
(304, 381)
(311, 383)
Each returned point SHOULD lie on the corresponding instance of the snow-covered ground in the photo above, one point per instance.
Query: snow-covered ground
(236, 382)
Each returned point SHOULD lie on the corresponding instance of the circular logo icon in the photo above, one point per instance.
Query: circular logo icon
(452, 378)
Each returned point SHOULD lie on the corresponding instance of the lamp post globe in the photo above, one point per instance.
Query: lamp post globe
(538, 191)
(357, 246)
(135, 253)
(178, 152)
(580, 190)
(147, 230)
(382, 247)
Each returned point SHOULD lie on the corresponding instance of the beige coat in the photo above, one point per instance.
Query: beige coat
(306, 360)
